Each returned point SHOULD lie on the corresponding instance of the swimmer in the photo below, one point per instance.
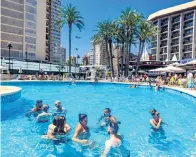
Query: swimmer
(107, 118)
(156, 121)
(82, 133)
(59, 110)
(45, 115)
(157, 87)
(134, 86)
(58, 130)
(36, 110)
(115, 141)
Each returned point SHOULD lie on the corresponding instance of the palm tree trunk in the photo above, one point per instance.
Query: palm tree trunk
(126, 56)
(111, 58)
(70, 27)
(141, 48)
(107, 52)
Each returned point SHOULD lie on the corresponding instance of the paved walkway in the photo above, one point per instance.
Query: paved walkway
(7, 90)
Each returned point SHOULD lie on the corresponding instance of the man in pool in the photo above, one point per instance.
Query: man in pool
(45, 115)
(114, 144)
(156, 121)
(36, 110)
(59, 110)
(107, 117)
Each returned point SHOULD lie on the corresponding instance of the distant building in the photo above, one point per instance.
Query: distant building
(63, 55)
(73, 61)
(101, 56)
(85, 60)
(176, 33)
(88, 59)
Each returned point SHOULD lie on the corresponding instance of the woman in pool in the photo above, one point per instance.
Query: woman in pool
(114, 144)
(156, 121)
(36, 110)
(59, 110)
(58, 130)
(45, 115)
(82, 133)
(107, 117)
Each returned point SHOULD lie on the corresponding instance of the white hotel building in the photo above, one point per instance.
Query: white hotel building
(176, 33)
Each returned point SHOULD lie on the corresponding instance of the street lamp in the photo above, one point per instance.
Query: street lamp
(9, 46)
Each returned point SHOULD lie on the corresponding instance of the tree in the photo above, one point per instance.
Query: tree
(69, 15)
(129, 20)
(105, 31)
(145, 32)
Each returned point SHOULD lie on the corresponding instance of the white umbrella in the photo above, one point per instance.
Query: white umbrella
(174, 69)
(193, 62)
(156, 70)
(175, 64)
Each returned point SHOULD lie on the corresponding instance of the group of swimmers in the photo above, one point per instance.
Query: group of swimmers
(59, 129)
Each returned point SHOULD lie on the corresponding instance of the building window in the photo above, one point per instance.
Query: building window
(31, 2)
(30, 32)
(30, 9)
(30, 40)
(31, 17)
(30, 25)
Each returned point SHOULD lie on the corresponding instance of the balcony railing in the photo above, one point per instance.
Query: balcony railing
(186, 50)
(174, 43)
(176, 20)
(174, 51)
(188, 25)
(164, 30)
(163, 37)
(187, 17)
(175, 27)
(164, 44)
(187, 41)
(164, 23)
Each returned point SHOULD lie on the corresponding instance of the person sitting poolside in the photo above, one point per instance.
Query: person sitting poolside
(156, 121)
(82, 132)
(107, 117)
(114, 144)
(36, 110)
(59, 110)
(45, 115)
(58, 130)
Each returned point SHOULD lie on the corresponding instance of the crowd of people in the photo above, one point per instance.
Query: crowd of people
(59, 129)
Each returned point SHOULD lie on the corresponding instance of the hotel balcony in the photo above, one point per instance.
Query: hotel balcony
(188, 16)
(175, 51)
(174, 43)
(164, 22)
(188, 24)
(188, 40)
(164, 30)
(175, 34)
(187, 56)
(163, 37)
(176, 19)
(187, 50)
(163, 44)
(175, 27)
(163, 51)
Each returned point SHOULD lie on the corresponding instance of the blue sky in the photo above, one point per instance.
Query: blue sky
(94, 11)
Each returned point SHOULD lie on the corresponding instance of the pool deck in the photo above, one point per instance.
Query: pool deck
(9, 90)
(6, 90)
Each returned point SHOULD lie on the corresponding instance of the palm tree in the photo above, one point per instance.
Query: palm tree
(145, 32)
(69, 15)
(105, 33)
(129, 20)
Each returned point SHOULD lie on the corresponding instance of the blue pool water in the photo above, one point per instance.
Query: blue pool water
(21, 137)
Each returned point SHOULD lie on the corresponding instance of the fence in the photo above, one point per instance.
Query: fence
(34, 66)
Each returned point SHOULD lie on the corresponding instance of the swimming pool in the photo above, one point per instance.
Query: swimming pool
(21, 137)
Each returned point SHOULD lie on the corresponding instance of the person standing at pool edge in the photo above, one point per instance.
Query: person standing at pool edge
(82, 133)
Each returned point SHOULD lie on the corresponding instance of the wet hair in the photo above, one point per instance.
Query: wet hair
(59, 122)
(45, 107)
(82, 116)
(109, 110)
(153, 111)
(114, 127)
(39, 101)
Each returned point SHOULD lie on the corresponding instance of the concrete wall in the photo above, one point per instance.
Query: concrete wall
(41, 30)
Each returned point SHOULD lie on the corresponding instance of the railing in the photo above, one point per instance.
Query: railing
(34, 66)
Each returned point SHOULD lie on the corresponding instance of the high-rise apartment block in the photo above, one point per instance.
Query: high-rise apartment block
(101, 56)
(176, 33)
(30, 26)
